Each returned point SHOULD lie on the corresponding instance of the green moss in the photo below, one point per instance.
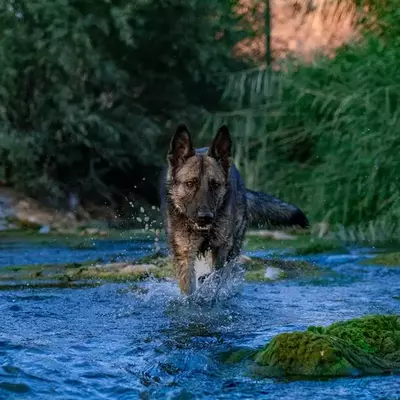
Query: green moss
(42, 268)
(372, 334)
(293, 265)
(156, 258)
(319, 246)
(303, 354)
(256, 268)
(389, 259)
(136, 276)
(164, 271)
(256, 276)
(259, 276)
(255, 242)
(155, 265)
(236, 355)
(369, 345)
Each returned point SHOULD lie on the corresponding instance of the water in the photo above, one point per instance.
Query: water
(16, 253)
(124, 341)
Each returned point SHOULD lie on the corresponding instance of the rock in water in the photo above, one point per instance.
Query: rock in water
(369, 345)
(273, 273)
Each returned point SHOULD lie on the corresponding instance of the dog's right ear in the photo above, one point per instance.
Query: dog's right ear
(181, 147)
(221, 147)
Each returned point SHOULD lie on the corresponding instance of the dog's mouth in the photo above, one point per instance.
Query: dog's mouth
(202, 227)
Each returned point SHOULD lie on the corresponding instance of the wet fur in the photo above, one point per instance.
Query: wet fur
(218, 190)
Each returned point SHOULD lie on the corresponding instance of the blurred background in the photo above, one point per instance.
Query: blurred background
(91, 92)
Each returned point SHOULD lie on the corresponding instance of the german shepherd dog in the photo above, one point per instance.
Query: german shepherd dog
(206, 207)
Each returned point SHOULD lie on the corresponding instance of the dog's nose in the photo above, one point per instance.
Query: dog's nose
(205, 217)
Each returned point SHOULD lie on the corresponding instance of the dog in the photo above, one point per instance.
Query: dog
(206, 207)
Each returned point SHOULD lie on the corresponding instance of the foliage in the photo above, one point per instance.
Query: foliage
(87, 87)
(382, 18)
(325, 136)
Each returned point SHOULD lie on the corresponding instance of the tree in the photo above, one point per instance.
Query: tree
(87, 87)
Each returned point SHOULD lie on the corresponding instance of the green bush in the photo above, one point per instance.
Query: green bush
(87, 87)
(325, 136)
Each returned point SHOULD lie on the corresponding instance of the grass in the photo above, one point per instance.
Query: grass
(327, 139)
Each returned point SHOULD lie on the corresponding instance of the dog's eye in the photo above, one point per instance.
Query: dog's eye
(190, 184)
(214, 184)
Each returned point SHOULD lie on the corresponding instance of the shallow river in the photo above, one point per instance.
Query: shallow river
(126, 341)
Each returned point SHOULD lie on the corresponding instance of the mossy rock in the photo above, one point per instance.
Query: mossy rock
(301, 245)
(369, 345)
(319, 246)
(255, 269)
(236, 356)
(261, 276)
(388, 259)
(155, 265)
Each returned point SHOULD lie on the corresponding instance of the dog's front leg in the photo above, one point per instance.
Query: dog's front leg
(185, 272)
(220, 256)
(184, 255)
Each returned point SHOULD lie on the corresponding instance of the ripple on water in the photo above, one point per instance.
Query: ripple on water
(19, 388)
(124, 341)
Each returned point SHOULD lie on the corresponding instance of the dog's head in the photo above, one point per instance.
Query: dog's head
(199, 180)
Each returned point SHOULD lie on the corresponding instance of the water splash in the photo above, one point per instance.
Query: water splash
(220, 286)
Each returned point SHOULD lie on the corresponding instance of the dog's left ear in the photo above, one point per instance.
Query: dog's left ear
(221, 147)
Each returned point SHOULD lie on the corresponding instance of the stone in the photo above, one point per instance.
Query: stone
(273, 273)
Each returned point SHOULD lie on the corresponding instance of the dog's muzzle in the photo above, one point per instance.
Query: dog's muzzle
(204, 220)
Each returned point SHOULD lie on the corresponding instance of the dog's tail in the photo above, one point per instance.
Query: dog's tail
(265, 209)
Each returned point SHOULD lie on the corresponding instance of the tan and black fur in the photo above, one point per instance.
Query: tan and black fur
(207, 208)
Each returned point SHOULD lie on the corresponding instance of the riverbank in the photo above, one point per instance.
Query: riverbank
(137, 255)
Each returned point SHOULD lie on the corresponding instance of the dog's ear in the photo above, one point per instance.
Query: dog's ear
(180, 148)
(221, 147)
